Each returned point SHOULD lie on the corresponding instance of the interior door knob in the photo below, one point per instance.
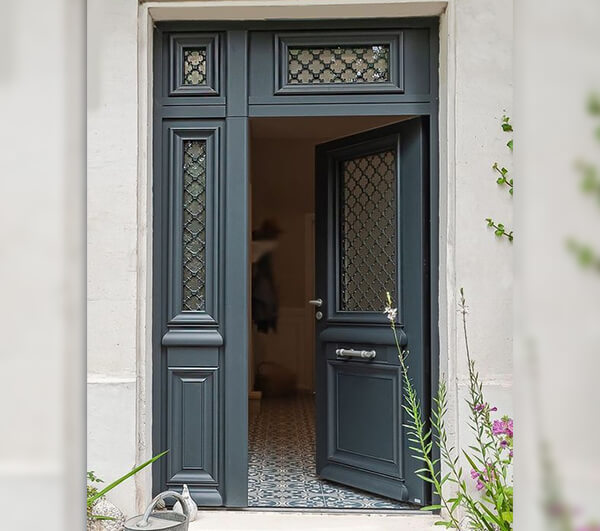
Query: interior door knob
(316, 302)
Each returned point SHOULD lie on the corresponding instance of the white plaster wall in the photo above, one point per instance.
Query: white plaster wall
(475, 90)
(112, 242)
(483, 92)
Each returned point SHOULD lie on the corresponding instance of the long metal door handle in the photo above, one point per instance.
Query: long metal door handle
(351, 353)
(316, 302)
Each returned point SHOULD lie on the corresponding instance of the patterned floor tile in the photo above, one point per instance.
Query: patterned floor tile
(282, 461)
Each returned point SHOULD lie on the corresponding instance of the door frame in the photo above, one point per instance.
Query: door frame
(150, 291)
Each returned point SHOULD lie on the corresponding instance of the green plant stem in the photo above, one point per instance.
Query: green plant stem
(98, 495)
(500, 228)
(503, 175)
(418, 429)
(482, 424)
(451, 461)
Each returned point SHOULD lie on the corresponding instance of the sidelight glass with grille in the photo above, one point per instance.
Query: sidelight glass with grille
(338, 64)
(194, 225)
(368, 220)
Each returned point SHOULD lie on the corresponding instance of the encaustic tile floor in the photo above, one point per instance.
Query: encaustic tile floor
(282, 461)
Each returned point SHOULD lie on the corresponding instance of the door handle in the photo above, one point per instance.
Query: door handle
(351, 353)
(316, 302)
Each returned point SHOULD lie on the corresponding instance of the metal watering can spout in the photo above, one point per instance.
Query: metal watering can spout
(165, 520)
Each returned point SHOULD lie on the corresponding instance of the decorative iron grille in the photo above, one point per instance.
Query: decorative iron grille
(338, 64)
(194, 66)
(194, 225)
(368, 232)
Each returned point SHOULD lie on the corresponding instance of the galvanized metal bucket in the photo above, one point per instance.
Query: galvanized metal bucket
(164, 520)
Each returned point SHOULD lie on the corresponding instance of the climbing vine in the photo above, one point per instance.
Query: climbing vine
(589, 173)
(505, 181)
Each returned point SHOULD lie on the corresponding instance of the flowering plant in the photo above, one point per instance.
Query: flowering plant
(490, 506)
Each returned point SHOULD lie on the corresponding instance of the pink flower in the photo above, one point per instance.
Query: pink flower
(474, 474)
(479, 485)
(509, 427)
(498, 427)
(589, 527)
(503, 427)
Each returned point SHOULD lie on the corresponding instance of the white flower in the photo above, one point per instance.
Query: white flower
(391, 313)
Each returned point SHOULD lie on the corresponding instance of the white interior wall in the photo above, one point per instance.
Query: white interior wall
(282, 183)
(475, 88)
(282, 171)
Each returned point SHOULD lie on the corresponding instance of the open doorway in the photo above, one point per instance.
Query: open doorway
(281, 379)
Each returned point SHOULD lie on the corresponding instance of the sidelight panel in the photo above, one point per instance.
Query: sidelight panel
(194, 226)
(194, 223)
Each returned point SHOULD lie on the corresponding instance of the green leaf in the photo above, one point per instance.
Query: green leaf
(91, 500)
(593, 105)
(431, 508)
(507, 516)
(509, 144)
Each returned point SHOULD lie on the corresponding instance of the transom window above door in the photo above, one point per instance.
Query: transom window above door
(340, 61)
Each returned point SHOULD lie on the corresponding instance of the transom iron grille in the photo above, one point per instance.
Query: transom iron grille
(194, 66)
(368, 232)
(339, 64)
(194, 225)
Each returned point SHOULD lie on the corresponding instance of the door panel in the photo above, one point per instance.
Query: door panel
(193, 426)
(371, 230)
(378, 384)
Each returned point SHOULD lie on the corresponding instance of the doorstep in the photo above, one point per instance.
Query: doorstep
(291, 521)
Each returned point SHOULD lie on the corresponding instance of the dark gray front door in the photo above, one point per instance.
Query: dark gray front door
(371, 220)
(211, 79)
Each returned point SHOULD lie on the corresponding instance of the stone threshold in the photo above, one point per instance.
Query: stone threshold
(253, 520)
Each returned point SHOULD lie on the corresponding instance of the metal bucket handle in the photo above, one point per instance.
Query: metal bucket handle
(144, 521)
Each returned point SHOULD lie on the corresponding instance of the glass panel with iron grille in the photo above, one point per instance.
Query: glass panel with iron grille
(194, 225)
(368, 232)
(339, 64)
(194, 66)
